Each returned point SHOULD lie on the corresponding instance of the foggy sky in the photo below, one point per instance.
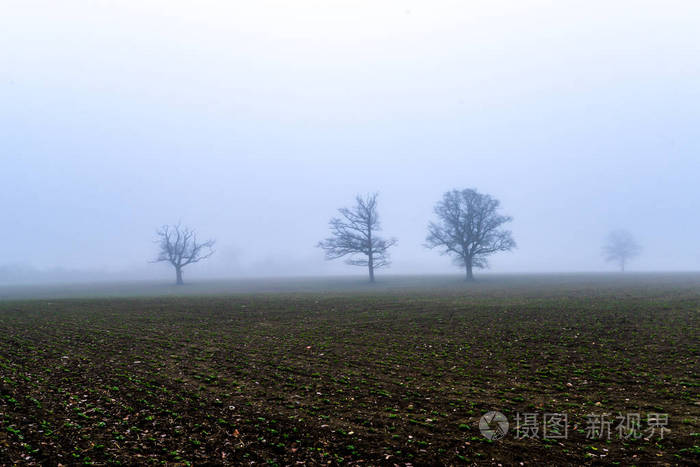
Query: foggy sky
(254, 121)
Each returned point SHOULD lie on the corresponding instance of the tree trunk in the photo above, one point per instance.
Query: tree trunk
(178, 275)
(370, 265)
(470, 275)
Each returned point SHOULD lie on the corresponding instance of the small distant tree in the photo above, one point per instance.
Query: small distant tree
(354, 233)
(469, 228)
(179, 247)
(620, 247)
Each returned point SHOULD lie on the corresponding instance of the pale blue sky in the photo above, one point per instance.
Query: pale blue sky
(255, 121)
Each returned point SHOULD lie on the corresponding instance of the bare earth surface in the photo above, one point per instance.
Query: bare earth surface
(343, 373)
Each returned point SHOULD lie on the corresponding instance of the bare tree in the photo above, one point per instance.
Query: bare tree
(469, 228)
(355, 234)
(620, 247)
(179, 247)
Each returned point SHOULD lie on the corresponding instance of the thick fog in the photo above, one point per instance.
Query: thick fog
(253, 121)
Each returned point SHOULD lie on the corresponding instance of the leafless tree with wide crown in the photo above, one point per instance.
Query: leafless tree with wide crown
(179, 247)
(354, 233)
(469, 227)
(620, 248)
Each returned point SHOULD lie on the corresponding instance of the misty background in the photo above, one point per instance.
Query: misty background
(253, 122)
